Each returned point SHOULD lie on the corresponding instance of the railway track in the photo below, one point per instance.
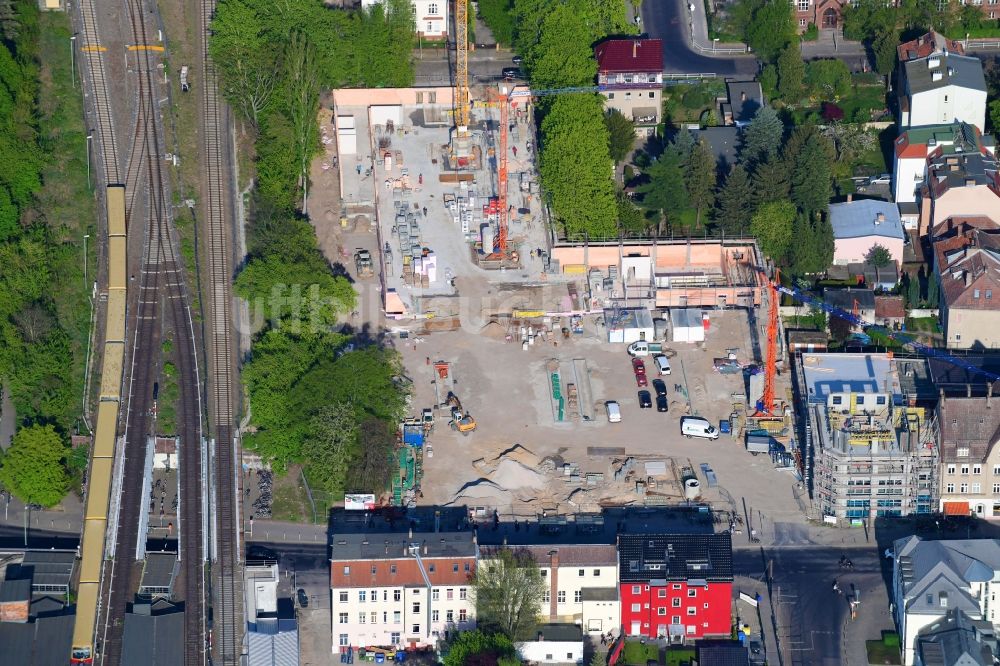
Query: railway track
(227, 575)
(93, 55)
(162, 300)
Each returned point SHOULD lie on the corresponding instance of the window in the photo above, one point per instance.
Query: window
(432, 97)
(628, 95)
(676, 602)
(989, 293)
(415, 628)
(675, 619)
(434, 615)
(581, 573)
(449, 616)
(976, 488)
(546, 597)
(361, 595)
(652, 95)
(691, 610)
(430, 26)
(692, 593)
(676, 586)
(374, 618)
(467, 569)
(397, 595)
(963, 487)
(343, 597)
(385, 617)
(431, 568)
(392, 568)
(950, 488)
(374, 596)
(996, 470)
(454, 567)
(977, 469)
(416, 606)
(374, 569)
(435, 593)
(802, 5)
(636, 608)
(578, 596)
(965, 470)
(362, 618)
(394, 638)
(461, 615)
(611, 95)
(661, 611)
(962, 452)
(951, 469)
(347, 571)
(420, 95)
(432, 8)
(975, 292)
(996, 488)
(561, 597)
(597, 572)
(461, 593)
(544, 572)
(636, 589)
(397, 617)
(343, 618)
(343, 640)
(449, 593)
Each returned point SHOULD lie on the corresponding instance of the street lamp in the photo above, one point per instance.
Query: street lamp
(72, 58)
(85, 282)
(90, 136)
(715, 43)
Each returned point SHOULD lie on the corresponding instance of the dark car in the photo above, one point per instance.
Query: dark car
(303, 598)
(517, 60)
(645, 402)
(660, 387)
(661, 403)
(510, 73)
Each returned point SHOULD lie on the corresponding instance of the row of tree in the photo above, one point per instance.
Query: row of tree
(318, 397)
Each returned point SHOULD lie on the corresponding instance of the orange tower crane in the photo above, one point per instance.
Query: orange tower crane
(766, 407)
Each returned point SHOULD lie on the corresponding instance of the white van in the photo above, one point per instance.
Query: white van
(614, 411)
(662, 364)
(695, 426)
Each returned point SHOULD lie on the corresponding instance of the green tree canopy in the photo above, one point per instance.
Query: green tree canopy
(563, 56)
(811, 164)
(621, 135)
(770, 27)
(812, 251)
(699, 178)
(575, 166)
(330, 446)
(791, 73)
(735, 202)
(762, 137)
(772, 225)
(770, 181)
(480, 649)
(33, 469)
(665, 192)
(878, 255)
(508, 590)
(828, 78)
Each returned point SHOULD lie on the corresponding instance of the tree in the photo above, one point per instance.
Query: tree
(246, 61)
(665, 192)
(772, 225)
(812, 251)
(811, 174)
(498, 16)
(878, 255)
(769, 81)
(508, 589)
(735, 202)
(621, 135)
(770, 28)
(34, 466)
(575, 166)
(791, 73)
(762, 137)
(373, 470)
(563, 57)
(699, 178)
(840, 328)
(770, 181)
(884, 48)
(828, 78)
(933, 291)
(330, 446)
(912, 290)
(995, 114)
(683, 143)
(477, 648)
(302, 81)
(630, 218)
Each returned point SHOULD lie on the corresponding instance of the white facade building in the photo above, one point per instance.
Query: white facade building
(943, 88)
(556, 644)
(430, 17)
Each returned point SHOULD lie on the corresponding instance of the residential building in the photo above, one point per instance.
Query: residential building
(824, 14)
(860, 225)
(928, 44)
(967, 268)
(581, 584)
(942, 87)
(392, 585)
(890, 311)
(875, 452)
(956, 640)
(874, 277)
(676, 586)
(722, 653)
(154, 634)
(915, 145)
(859, 300)
(970, 456)
(430, 17)
(272, 634)
(804, 340)
(556, 643)
(959, 185)
(724, 142)
(630, 75)
(931, 579)
(745, 98)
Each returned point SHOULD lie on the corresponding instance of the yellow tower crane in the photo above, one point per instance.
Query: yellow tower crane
(461, 147)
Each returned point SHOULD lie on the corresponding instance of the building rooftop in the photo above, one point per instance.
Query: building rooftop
(724, 142)
(44, 641)
(926, 44)
(889, 307)
(18, 589)
(153, 638)
(560, 632)
(946, 172)
(970, 423)
(937, 575)
(391, 546)
(277, 646)
(646, 557)
(955, 379)
(570, 555)
(845, 299)
(961, 224)
(745, 99)
(722, 653)
(957, 640)
(629, 55)
(969, 268)
(599, 594)
(827, 373)
(951, 69)
(158, 571)
(865, 217)
(49, 570)
(920, 141)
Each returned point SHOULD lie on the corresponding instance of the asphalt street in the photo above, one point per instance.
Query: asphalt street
(668, 20)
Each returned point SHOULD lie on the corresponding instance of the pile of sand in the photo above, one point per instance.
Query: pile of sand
(511, 475)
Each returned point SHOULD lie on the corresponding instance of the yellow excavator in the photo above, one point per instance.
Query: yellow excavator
(461, 420)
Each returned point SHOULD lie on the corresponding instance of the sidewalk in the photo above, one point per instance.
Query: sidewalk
(66, 517)
(832, 43)
(698, 30)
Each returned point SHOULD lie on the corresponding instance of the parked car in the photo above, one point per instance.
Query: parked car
(303, 598)
(660, 387)
(614, 411)
(645, 401)
(884, 179)
(662, 364)
(695, 426)
(661, 403)
(639, 368)
(517, 60)
(511, 73)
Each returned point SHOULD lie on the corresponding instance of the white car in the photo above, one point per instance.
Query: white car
(614, 411)
(662, 364)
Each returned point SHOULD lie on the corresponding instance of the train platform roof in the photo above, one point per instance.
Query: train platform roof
(159, 570)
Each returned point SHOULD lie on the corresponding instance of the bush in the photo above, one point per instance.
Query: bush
(811, 34)
(696, 98)
(498, 15)
(831, 112)
(890, 639)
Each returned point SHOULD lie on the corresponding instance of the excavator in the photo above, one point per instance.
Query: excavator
(363, 262)
(461, 420)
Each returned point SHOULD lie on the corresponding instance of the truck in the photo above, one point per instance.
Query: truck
(363, 262)
(644, 348)
(758, 443)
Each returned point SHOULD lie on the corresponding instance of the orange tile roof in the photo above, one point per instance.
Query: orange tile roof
(407, 573)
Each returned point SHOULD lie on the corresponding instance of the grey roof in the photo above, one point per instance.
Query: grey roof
(827, 373)
(724, 143)
(156, 640)
(15, 590)
(393, 545)
(935, 575)
(745, 98)
(961, 170)
(599, 594)
(845, 298)
(957, 640)
(722, 653)
(859, 219)
(50, 567)
(46, 605)
(279, 647)
(646, 557)
(43, 642)
(419, 519)
(562, 632)
(158, 570)
(955, 70)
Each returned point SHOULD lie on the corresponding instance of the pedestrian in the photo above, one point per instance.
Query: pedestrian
(425, 211)
(836, 588)
(359, 168)
(428, 360)
(514, 148)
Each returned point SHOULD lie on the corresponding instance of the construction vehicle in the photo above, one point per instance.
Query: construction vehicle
(363, 263)
(461, 420)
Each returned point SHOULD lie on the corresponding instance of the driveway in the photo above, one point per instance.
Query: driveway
(668, 20)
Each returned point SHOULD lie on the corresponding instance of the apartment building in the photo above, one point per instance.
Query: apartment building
(916, 145)
(630, 74)
(941, 87)
(430, 17)
(932, 579)
(970, 459)
(676, 586)
(400, 588)
(967, 269)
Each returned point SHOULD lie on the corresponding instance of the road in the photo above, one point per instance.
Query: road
(668, 20)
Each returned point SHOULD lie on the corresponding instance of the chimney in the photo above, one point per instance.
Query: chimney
(425, 548)
(879, 219)
(410, 533)
(743, 96)
(553, 583)
(941, 392)
(504, 539)
(437, 521)
(635, 48)
(541, 636)
(968, 390)
(850, 198)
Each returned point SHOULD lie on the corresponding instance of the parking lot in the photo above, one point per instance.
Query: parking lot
(507, 390)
